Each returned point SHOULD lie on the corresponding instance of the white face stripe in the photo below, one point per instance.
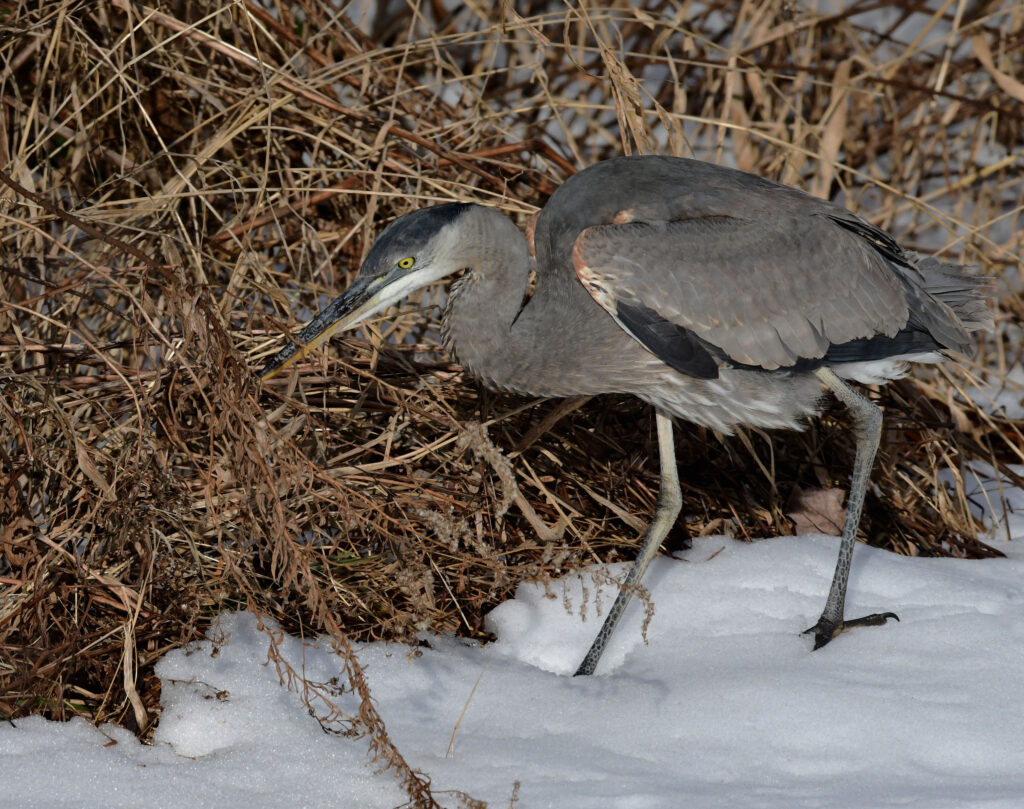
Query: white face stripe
(408, 283)
(392, 293)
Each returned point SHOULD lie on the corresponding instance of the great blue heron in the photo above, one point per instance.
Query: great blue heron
(715, 295)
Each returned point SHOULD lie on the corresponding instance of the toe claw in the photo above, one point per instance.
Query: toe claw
(824, 631)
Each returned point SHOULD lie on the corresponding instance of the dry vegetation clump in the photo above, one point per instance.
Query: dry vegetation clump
(183, 183)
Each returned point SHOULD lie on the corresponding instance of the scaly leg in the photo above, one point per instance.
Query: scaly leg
(670, 501)
(868, 426)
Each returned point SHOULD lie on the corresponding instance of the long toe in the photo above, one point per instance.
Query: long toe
(826, 629)
(875, 619)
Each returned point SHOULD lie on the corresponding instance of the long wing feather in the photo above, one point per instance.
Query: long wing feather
(768, 294)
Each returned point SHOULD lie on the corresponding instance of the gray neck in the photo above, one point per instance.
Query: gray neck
(551, 347)
(482, 305)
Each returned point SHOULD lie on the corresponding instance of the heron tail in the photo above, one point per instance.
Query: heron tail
(967, 295)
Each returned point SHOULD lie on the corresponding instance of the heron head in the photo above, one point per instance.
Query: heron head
(415, 250)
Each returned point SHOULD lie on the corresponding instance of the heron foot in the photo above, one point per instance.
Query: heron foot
(827, 629)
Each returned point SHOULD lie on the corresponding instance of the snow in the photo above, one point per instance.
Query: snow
(1003, 395)
(724, 706)
(995, 499)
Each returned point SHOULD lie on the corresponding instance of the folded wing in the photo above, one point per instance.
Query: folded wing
(773, 295)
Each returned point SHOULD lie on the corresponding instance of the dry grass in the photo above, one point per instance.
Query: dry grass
(184, 184)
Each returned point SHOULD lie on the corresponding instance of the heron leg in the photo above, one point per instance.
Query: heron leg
(868, 427)
(670, 502)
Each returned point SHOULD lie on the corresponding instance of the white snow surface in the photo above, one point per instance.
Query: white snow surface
(724, 706)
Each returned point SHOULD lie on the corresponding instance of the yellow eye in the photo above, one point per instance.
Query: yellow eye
(406, 262)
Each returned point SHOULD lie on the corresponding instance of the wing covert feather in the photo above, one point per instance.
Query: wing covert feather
(767, 293)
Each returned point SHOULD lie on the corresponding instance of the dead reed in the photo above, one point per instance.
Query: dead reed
(183, 183)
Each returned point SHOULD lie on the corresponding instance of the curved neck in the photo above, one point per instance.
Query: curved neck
(483, 304)
(550, 346)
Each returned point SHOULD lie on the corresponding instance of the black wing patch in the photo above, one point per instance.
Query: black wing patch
(671, 343)
(879, 347)
(866, 349)
(881, 241)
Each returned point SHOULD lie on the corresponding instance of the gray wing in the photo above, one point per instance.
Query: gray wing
(765, 293)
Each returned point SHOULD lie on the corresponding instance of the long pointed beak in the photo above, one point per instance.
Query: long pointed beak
(355, 304)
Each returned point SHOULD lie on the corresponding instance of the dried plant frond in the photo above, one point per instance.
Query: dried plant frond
(184, 183)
